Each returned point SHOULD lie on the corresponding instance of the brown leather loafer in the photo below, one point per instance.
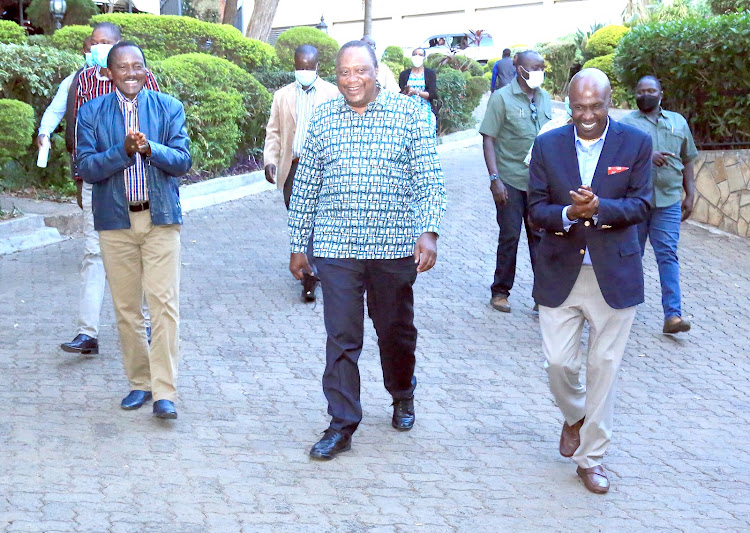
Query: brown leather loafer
(594, 479)
(500, 303)
(676, 324)
(570, 438)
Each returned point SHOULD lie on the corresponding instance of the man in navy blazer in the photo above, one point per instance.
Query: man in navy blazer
(590, 185)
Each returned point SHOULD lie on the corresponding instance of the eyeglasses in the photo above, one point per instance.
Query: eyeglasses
(533, 111)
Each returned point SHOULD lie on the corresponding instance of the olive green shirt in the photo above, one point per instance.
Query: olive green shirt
(509, 120)
(670, 133)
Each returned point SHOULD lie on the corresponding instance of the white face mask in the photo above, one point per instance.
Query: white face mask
(536, 78)
(305, 77)
(417, 61)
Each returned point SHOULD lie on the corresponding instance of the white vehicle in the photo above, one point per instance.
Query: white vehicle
(478, 45)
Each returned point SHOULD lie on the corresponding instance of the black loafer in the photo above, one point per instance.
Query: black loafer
(403, 414)
(135, 399)
(333, 443)
(165, 409)
(81, 344)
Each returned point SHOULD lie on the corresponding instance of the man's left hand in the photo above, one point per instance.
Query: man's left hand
(425, 251)
(687, 207)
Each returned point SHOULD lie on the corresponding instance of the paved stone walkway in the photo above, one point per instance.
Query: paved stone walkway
(482, 457)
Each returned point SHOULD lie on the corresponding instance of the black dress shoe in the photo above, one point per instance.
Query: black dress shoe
(164, 409)
(135, 399)
(309, 282)
(333, 443)
(81, 344)
(403, 414)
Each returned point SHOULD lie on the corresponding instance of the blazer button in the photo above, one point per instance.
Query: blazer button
(583, 252)
(587, 223)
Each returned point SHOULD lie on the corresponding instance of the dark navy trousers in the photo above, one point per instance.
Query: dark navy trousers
(390, 303)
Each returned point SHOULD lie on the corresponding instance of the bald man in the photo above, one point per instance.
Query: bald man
(589, 188)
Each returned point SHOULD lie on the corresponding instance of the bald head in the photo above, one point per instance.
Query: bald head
(305, 57)
(590, 96)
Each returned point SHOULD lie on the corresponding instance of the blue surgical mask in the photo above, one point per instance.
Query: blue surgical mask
(89, 59)
(99, 53)
(305, 77)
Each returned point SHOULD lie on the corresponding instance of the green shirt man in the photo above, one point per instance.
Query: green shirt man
(514, 116)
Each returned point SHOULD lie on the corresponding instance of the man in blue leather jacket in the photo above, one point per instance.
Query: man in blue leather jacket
(132, 146)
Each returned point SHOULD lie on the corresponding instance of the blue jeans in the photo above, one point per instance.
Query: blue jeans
(662, 228)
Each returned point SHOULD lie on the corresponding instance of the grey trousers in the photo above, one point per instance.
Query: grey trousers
(609, 329)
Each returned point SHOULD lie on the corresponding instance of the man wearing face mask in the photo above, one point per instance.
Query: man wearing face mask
(515, 114)
(671, 172)
(292, 107)
(62, 106)
(91, 83)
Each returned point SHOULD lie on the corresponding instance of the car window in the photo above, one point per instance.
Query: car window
(486, 41)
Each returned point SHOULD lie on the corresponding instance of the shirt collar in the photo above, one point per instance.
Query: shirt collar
(641, 114)
(602, 138)
(378, 103)
(517, 88)
(124, 100)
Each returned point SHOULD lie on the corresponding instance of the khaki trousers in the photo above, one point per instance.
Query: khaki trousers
(145, 259)
(609, 329)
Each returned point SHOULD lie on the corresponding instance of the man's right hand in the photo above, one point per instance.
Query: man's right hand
(79, 193)
(40, 140)
(499, 192)
(585, 203)
(298, 265)
(270, 173)
(659, 159)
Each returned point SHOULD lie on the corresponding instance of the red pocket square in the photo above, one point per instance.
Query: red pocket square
(616, 170)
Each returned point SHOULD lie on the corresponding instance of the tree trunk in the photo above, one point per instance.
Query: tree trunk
(230, 12)
(368, 18)
(261, 21)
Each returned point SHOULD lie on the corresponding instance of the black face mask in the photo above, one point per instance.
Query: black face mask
(647, 102)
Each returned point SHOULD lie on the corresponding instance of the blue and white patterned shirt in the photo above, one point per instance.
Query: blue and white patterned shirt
(370, 184)
(136, 186)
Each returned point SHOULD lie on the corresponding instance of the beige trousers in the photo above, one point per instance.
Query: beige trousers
(145, 259)
(609, 329)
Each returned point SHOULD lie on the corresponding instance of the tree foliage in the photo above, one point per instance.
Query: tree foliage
(289, 41)
(11, 33)
(77, 12)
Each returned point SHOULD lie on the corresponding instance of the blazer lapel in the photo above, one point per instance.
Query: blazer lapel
(291, 104)
(609, 152)
(569, 157)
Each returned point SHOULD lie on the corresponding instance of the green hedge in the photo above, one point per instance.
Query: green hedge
(11, 33)
(70, 38)
(725, 7)
(16, 128)
(706, 76)
(163, 36)
(273, 80)
(604, 40)
(77, 12)
(451, 86)
(558, 58)
(291, 39)
(438, 62)
(199, 80)
(393, 56)
(621, 94)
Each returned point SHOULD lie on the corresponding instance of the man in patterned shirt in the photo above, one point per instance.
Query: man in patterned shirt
(371, 185)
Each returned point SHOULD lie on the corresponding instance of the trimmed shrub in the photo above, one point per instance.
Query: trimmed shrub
(451, 86)
(621, 94)
(190, 78)
(438, 62)
(289, 41)
(273, 80)
(38, 40)
(395, 59)
(70, 38)
(604, 41)
(163, 36)
(476, 86)
(491, 64)
(558, 58)
(707, 76)
(11, 33)
(77, 12)
(32, 73)
(16, 129)
(725, 7)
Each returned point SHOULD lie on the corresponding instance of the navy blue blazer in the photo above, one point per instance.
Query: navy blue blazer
(622, 181)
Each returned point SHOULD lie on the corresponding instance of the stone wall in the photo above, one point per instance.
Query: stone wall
(723, 190)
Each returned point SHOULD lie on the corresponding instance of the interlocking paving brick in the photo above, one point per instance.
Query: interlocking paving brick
(482, 456)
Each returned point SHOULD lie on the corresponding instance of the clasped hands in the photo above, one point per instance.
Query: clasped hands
(135, 141)
(585, 203)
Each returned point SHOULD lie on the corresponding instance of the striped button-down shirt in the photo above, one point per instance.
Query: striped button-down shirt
(136, 187)
(305, 108)
(588, 158)
(370, 184)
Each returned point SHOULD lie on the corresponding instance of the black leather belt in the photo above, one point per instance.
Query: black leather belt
(135, 208)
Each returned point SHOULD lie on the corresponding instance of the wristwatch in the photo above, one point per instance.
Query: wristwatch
(493, 177)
